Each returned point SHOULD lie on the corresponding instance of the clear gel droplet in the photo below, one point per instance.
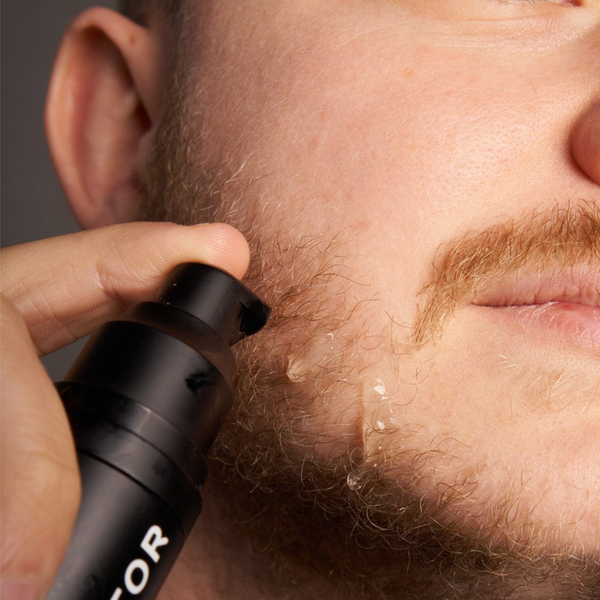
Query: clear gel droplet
(354, 480)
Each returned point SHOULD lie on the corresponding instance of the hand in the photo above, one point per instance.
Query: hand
(54, 292)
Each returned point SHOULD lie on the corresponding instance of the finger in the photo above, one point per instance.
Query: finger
(66, 286)
(40, 481)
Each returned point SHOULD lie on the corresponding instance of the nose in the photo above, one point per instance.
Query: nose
(586, 142)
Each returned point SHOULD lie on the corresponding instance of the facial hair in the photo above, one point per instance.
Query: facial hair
(370, 527)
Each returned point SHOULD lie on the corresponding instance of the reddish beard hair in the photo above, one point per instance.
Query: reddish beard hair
(382, 539)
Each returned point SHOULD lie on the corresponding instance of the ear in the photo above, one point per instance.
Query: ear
(103, 101)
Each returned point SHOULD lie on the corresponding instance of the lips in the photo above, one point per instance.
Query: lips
(563, 304)
(575, 286)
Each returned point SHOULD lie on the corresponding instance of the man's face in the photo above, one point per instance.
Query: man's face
(413, 179)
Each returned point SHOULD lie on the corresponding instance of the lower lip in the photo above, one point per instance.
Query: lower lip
(577, 324)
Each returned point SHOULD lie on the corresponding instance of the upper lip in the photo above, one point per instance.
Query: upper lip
(575, 285)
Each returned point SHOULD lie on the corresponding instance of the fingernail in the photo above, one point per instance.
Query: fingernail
(18, 589)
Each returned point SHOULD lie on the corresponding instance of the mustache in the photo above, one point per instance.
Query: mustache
(561, 237)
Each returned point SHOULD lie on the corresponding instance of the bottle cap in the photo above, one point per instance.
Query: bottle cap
(217, 299)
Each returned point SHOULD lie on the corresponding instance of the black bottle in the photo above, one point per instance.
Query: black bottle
(145, 400)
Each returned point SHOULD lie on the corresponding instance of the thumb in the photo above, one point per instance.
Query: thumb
(66, 286)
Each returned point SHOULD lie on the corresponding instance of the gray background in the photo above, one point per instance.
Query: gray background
(33, 205)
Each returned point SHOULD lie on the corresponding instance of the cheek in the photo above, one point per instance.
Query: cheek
(390, 143)
(398, 160)
(398, 141)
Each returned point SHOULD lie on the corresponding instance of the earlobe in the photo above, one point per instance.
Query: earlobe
(102, 104)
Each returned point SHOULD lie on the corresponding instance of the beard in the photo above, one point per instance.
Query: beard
(292, 468)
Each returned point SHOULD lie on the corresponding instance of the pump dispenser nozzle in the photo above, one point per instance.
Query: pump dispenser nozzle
(146, 399)
(219, 301)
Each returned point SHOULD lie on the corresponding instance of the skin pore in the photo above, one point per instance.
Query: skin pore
(390, 162)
